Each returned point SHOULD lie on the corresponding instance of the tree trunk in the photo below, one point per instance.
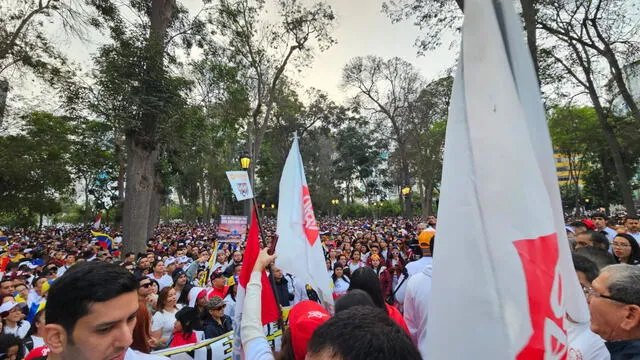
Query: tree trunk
(87, 216)
(141, 173)
(4, 92)
(121, 174)
(428, 196)
(529, 14)
(404, 163)
(157, 199)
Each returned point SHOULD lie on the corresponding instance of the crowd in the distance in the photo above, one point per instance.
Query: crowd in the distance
(186, 285)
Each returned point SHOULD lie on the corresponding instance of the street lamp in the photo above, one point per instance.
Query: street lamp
(405, 191)
(273, 206)
(245, 161)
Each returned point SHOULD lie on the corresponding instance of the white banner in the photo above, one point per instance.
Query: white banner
(240, 184)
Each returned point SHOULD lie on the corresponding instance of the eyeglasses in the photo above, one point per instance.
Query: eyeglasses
(590, 292)
(619, 245)
(219, 308)
(146, 285)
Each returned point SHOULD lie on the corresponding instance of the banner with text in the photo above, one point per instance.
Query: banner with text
(232, 228)
(240, 184)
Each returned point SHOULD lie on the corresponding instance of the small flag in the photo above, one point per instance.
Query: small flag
(498, 172)
(270, 309)
(299, 248)
(105, 241)
(96, 224)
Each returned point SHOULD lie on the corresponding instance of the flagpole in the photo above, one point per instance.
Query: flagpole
(272, 280)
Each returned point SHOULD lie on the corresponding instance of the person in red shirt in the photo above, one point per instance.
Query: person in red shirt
(220, 287)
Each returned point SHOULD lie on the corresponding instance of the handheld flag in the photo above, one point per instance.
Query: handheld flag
(299, 248)
(498, 174)
(96, 224)
(270, 309)
(105, 241)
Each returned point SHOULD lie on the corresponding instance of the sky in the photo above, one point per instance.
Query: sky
(362, 29)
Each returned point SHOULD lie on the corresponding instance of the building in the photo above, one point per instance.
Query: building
(567, 176)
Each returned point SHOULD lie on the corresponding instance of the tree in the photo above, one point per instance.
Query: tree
(388, 90)
(580, 63)
(24, 41)
(36, 166)
(264, 51)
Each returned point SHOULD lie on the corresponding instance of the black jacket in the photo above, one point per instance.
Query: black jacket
(212, 329)
(282, 289)
(624, 350)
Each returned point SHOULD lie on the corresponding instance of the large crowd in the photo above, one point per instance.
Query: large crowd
(186, 285)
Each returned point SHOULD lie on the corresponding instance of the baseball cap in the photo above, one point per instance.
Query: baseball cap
(9, 305)
(304, 318)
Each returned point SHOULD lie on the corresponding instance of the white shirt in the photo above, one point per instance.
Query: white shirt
(164, 281)
(356, 266)
(340, 286)
(164, 320)
(136, 355)
(584, 344)
(636, 236)
(19, 331)
(416, 302)
(610, 233)
(33, 298)
(63, 269)
(412, 268)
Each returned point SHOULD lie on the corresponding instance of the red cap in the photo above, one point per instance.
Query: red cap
(304, 318)
(201, 294)
(589, 223)
(38, 353)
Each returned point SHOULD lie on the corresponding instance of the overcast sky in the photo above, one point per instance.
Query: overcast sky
(362, 29)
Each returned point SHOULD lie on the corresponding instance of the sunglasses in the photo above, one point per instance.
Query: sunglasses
(146, 285)
(219, 308)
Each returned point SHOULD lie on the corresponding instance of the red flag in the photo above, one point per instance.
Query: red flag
(270, 311)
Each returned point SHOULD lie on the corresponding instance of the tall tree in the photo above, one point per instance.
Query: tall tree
(388, 90)
(264, 51)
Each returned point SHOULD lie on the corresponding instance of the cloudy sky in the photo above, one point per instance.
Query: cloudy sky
(362, 29)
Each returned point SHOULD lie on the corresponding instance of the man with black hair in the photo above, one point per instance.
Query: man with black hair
(578, 227)
(632, 224)
(361, 332)
(599, 256)
(592, 238)
(600, 221)
(6, 287)
(91, 313)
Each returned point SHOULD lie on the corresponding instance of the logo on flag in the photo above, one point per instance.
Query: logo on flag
(311, 229)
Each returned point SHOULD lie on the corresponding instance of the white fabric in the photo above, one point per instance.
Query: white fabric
(61, 270)
(499, 174)
(33, 298)
(164, 281)
(37, 341)
(413, 268)
(254, 341)
(416, 303)
(136, 355)
(584, 344)
(164, 320)
(340, 287)
(19, 331)
(299, 249)
(610, 233)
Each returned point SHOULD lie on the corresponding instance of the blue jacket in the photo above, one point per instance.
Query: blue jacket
(624, 350)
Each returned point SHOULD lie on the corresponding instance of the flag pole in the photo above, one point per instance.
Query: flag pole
(272, 280)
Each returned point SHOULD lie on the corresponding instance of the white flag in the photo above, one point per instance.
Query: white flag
(502, 283)
(299, 248)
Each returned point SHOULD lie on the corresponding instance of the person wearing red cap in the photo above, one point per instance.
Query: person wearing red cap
(304, 318)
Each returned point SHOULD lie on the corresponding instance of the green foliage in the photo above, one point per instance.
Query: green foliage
(36, 166)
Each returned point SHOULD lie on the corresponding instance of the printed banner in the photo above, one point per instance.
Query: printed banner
(232, 228)
(240, 184)
(220, 348)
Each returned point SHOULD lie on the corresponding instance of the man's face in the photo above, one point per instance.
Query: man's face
(632, 225)
(144, 263)
(609, 318)
(130, 258)
(277, 273)
(144, 288)
(219, 282)
(599, 222)
(159, 268)
(6, 288)
(237, 257)
(103, 334)
(431, 220)
(583, 240)
(71, 259)
(182, 280)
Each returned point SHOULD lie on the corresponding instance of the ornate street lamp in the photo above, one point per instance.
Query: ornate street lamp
(406, 191)
(245, 161)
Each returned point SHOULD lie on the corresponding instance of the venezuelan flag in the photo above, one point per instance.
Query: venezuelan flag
(104, 240)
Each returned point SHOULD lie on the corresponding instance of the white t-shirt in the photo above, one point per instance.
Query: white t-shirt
(340, 286)
(164, 320)
(163, 282)
(136, 355)
(584, 344)
(416, 303)
(19, 331)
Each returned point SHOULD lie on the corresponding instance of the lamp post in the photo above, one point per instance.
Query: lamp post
(406, 192)
(245, 163)
(335, 203)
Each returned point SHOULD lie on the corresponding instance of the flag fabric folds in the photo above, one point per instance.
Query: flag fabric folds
(499, 178)
(270, 309)
(96, 224)
(105, 241)
(299, 248)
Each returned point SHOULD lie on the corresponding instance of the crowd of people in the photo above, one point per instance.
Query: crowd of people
(186, 283)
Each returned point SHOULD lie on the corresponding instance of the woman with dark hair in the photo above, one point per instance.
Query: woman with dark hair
(366, 279)
(187, 328)
(165, 318)
(35, 335)
(355, 263)
(340, 281)
(626, 249)
(11, 347)
(12, 319)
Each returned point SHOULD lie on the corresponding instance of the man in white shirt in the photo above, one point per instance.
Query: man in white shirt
(69, 260)
(632, 224)
(416, 300)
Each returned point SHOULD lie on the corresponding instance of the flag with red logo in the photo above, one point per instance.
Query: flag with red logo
(503, 283)
(96, 224)
(299, 248)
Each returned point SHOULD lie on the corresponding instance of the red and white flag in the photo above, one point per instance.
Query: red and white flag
(503, 283)
(96, 224)
(270, 310)
(299, 248)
